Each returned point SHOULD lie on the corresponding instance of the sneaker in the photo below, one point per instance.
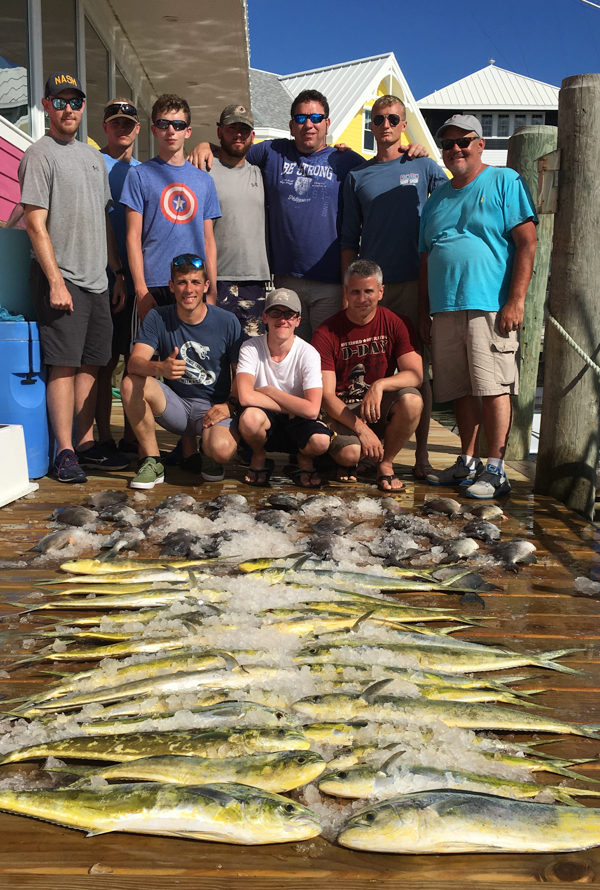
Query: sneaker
(67, 469)
(131, 449)
(97, 456)
(174, 457)
(211, 470)
(491, 483)
(457, 474)
(151, 473)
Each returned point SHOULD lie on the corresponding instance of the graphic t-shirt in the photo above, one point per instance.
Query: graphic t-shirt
(467, 233)
(300, 369)
(174, 202)
(383, 201)
(304, 198)
(208, 349)
(362, 354)
(117, 173)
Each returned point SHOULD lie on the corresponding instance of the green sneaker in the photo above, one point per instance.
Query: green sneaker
(211, 470)
(149, 474)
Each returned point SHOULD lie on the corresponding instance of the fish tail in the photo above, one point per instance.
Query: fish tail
(563, 797)
(589, 730)
(569, 773)
(547, 660)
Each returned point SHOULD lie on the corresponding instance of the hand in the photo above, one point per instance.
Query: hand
(119, 296)
(370, 408)
(60, 298)
(425, 329)
(369, 443)
(511, 316)
(341, 146)
(144, 304)
(201, 156)
(216, 414)
(173, 368)
(414, 150)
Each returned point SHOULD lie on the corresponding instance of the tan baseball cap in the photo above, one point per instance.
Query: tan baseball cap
(283, 296)
(236, 114)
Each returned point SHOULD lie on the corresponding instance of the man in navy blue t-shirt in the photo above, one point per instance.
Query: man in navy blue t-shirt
(197, 343)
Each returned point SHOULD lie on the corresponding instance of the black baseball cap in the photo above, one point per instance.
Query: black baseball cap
(59, 81)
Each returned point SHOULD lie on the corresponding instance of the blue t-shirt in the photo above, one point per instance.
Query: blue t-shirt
(383, 201)
(174, 202)
(208, 349)
(117, 172)
(304, 197)
(468, 235)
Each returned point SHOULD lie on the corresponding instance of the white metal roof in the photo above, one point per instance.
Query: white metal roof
(494, 89)
(495, 157)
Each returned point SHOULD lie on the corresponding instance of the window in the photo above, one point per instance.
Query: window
(520, 120)
(503, 125)
(122, 88)
(537, 119)
(487, 124)
(368, 138)
(14, 104)
(96, 83)
(143, 142)
(58, 39)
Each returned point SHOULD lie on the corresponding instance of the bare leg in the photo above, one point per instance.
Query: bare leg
(317, 444)
(347, 457)
(60, 397)
(468, 418)
(85, 405)
(104, 399)
(142, 399)
(405, 416)
(219, 443)
(253, 427)
(497, 418)
(422, 430)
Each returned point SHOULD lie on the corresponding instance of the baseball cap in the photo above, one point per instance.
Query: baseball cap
(467, 122)
(236, 114)
(59, 81)
(282, 296)
(120, 108)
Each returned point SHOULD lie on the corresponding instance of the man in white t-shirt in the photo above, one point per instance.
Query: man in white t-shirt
(280, 387)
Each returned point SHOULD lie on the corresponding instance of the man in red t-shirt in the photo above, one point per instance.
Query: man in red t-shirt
(361, 348)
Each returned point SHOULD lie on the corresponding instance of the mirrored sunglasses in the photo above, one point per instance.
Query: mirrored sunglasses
(162, 124)
(191, 258)
(61, 104)
(393, 119)
(313, 118)
(120, 108)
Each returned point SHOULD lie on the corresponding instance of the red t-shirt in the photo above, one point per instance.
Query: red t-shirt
(361, 354)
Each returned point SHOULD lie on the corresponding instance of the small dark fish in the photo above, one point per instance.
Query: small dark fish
(177, 502)
(74, 514)
(122, 514)
(334, 525)
(445, 506)
(178, 543)
(321, 546)
(56, 540)
(209, 545)
(332, 500)
(472, 581)
(414, 525)
(274, 518)
(484, 511)
(459, 548)
(156, 521)
(228, 502)
(126, 539)
(472, 599)
(511, 552)
(103, 499)
(281, 500)
(390, 505)
(482, 530)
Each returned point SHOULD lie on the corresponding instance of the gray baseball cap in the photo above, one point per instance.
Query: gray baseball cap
(283, 296)
(467, 122)
(236, 114)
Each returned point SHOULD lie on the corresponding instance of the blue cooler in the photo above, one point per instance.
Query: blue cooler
(23, 391)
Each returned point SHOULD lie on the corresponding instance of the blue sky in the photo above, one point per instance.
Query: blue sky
(544, 39)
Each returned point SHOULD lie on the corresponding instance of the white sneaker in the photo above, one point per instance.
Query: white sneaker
(457, 474)
(492, 483)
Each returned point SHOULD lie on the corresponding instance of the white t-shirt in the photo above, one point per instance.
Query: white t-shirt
(300, 369)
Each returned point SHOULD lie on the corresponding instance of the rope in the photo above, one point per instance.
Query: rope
(592, 364)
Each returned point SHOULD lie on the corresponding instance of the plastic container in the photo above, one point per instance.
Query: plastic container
(15, 262)
(23, 392)
(15, 484)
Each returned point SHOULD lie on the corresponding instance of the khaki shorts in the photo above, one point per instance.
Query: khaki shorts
(471, 357)
(402, 297)
(344, 436)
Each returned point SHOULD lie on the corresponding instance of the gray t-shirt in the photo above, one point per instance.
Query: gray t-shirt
(240, 233)
(69, 179)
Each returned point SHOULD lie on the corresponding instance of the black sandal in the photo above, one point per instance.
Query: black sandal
(262, 471)
(295, 474)
(389, 479)
(347, 471)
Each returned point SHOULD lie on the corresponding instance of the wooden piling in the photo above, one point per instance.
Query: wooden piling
(524, 148)
(568, 450)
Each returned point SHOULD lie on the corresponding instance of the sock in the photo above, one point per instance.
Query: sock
(469, 462)
(496, 462)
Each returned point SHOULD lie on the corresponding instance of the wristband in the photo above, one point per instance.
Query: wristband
(120, 272)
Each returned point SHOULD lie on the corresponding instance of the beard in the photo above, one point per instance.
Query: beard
(236, 150)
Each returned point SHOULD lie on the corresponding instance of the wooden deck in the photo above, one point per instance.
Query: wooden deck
(535, 611)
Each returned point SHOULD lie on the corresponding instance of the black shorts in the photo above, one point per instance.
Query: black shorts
(162, 295)
(122, 331)
(72, 339)
(290, 434)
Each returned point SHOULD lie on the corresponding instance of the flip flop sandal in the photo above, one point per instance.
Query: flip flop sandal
(422, 471)
(347, 471)
(295, 474)
(262, 471)
(389, 480)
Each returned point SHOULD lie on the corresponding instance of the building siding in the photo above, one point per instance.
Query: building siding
(10, 194)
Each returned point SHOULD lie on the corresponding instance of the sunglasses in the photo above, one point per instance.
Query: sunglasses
(191, 258)
(120, 108)
(61, 104)
(162, 124)
(393, 119)
(282, 313)
(313, 118)
(463, 142)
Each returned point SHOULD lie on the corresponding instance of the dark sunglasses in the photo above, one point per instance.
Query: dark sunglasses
(463, 142)
(162, 124)
(120, 108)
(61, 104)
(313, 118)
(393, 119)
(191, 258)
(282, 313)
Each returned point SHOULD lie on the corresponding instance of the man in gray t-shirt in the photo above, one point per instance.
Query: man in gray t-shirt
(66, 198)
(240, 233)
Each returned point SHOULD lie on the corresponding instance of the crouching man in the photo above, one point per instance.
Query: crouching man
(372, 372)
(197, 344)
(280, 388)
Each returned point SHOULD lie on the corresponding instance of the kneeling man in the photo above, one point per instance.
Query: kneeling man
(197, 344)
(280, 388)
(371, 378)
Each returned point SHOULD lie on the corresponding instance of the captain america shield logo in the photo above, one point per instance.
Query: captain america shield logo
(178, 203)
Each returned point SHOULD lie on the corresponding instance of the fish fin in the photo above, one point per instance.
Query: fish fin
(352, 526)
(96, 832)
(300, 562)
(391, 760)
(472, 598)
(361, 620)
(230, 661)
(107, 555)
(529, 560)
(372, 690)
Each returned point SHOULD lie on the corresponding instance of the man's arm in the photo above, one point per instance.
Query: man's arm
(203, 154)
(35, 223)
(114, 261)
(337, 410)
(410, 373)
(307, 407)
(511, 314)
(145, 300)
(210, 250)
(424, 314)
(172, 368)
(253, 398)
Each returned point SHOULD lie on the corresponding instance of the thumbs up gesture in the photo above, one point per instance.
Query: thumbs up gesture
(173, 368)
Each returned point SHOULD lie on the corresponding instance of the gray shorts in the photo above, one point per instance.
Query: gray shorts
(345, 436)
(184, 416)
(72, 339)
(320, 300)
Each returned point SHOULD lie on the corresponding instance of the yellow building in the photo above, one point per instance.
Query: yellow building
(351, 89)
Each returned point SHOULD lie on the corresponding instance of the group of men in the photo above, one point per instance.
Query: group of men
(379, 268)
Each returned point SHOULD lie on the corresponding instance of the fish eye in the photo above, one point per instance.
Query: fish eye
(289, 807)
(370, 817)
(342, 774)
(280, 715)
(281, 733)
(300, 759)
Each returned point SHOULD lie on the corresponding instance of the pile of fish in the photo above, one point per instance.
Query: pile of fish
(253, 700)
